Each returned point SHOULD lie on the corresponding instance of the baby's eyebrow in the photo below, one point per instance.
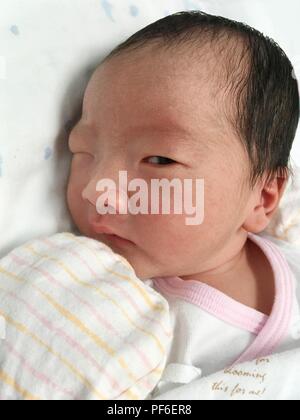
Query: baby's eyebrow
(166, 128)
(167, 132)
(164, 133)
(172, 131)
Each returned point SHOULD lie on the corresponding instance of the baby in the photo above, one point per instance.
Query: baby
(189, 97)
(195, 96)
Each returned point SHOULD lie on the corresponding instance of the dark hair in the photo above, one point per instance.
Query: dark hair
(259, 76)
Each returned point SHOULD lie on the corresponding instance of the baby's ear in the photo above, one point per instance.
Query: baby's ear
(271, 195)
(268, 196)
(276, 185)
(283, 187)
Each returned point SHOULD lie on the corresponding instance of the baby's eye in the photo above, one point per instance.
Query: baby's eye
(160, 160)
(81, 154)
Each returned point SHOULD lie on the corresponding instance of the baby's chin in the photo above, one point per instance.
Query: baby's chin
(145, 273)
(143, 270)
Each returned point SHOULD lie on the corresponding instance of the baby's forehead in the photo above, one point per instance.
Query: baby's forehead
(208, 70)
(194, 86)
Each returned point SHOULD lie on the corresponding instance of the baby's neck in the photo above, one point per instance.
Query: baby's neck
(247, 277)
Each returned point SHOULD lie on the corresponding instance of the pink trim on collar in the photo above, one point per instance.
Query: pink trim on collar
(214, 302)
(277, 325)
(269, 331)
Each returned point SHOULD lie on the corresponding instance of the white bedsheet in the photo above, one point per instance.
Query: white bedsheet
(47, 52)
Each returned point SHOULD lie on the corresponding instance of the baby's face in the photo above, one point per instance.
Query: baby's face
(145, 105)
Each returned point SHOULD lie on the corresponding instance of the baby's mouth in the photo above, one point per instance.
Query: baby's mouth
(109, 234)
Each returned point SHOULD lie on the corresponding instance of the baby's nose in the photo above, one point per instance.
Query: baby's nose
(112, 199)
(90, 193)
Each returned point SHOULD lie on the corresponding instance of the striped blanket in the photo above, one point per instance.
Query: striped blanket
(76, 323)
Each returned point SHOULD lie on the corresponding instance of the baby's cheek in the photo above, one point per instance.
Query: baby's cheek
(75, 202)
(79, 175)
(164, 233)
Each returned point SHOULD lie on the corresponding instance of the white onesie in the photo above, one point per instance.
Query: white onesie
(213, 332)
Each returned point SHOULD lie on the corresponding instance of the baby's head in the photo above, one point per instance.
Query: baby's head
(210, 99)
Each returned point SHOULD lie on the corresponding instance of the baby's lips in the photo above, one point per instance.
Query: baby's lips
(101, 229)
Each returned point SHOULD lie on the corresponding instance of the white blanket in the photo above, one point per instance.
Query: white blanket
(78, 324)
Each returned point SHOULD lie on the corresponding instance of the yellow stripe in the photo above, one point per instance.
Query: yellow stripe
(5, 378)
(132, 395)
(14, 276)
(158, 371)
(24, 330)
(99, 342)
(145, 296)
(77, 322)
(73, 237)
(167, 333)
(91, 286)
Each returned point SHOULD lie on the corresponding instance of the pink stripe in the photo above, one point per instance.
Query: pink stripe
(143, 381)
(43, 378)
(278, 323)
(61, 333)
(101, 319)
(115, 286)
